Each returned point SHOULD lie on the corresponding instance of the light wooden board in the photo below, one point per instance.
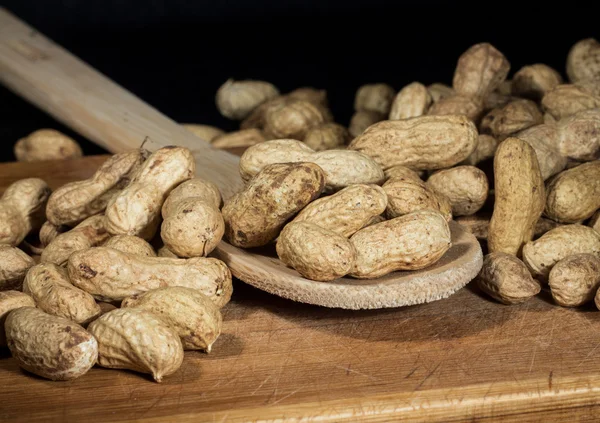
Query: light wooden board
(464, 358)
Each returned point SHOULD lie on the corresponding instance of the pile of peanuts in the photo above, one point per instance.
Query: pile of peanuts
(124, 281)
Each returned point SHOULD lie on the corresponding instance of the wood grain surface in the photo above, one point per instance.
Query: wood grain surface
(465, 358)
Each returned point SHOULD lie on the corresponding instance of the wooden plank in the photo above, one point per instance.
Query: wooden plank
(462, 358)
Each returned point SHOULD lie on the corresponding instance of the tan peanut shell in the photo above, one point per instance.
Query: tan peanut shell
(404, 173)
(292, 119)
(409, 195)
(414, 241)
(49, 346)
(544, 140)
(514, 117)
(505, 87)
(76, 201)
(314, 251)
(14, 264)
(346, 211)
(111, 275)
(131, 245)
(413, 100)
(426, 142)
(341, 167)
(195, 187)
(438, 91)
(257, 118)
(48, 284)
(360, 121)
(138, 340)
(506, 279)
(465, 186)
(374, 97)
(9, 301)
(89, 233)
(49, 231)
(519, 197)
(165, 252)
(534, 81)
(22, 209)
(136, 209)
(236, 99)
(478, 225)
(479, 71)
(374, 220)
(486, 148)
(574, 195)
(542, 254)
(583, 61)
(470, 107)
(193, 228)
(574, 280)
(579, 135)
(106, 307)
(241, 138)
(190, 313)
(310, 94)
(567, 99)
(497, 100)
(594, 222)
(255, 216)
(327, 136)
(205, 132)
(46, 144)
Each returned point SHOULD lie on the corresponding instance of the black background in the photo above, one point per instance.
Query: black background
(174, 54)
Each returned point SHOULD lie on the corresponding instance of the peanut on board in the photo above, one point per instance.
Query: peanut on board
(579, 135)
(413, 241)
(89, 233)
(543, 253)
(193, 228)
(205, 132)
(138, 340)
(519, 196)
(9, 301)
(195, 187)
(486, 148)
(514, 117)
(14, 264)
(544, 140)
(374, 97)
(534, 81)
(438, 91)
(136, 209)
(49, 285)
(49, 346)
(111, 275)
(315, 252)
(360, 121)
(471, 107)
(190, 313)
(241, 138)
(49, 231)
(236, 99)
(403, 172)
(22, 209)
(583, 61)
(346, 211)
(327, 136)
(407, 195)
(292, 119)
(465, 186)
(341, 167)
(506, 279)
(574, 280)
(413, 100)
(255, 216)
(568, 99)
(426, 142)
(76, 201)
(46, 144)
(131, 245)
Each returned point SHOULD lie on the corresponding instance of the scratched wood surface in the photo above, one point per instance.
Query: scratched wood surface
(463, 358)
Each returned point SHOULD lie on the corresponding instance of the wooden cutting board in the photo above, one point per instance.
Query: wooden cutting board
(464, 358)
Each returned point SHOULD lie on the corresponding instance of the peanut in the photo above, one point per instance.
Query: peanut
(486, 148)
(426, 142)
(583, 61)
(594, 222)
(465, 186)
(438, 91)
(46, 144)
(165, 252)
(191, 314)
(542, 254)
(567, 99)
(506, 279)
(14, 264)
(413, 100)
(406, 196)
(131, 245)
(192, 188)
(312, 95)
(22, 209)
(48, 284)
(255, 216)
(470, 107)
(360, 121)
(519, 196)
(136, 209)
(374, 97)
(514, 117)
(111, 275)
(574, 195)
(205, 132)
(9, 301)
(292, 119)
(49, 231)
(579, 135)
(136, 339)
(49, 346)
(414, 241)
(534, 81)
(236, 99)
(404, 173)
(478, 225)
(574, 280)
(544, 140)
(327, 136)
(241, 138)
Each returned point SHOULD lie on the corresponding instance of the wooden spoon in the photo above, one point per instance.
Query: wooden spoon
(74, 93)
